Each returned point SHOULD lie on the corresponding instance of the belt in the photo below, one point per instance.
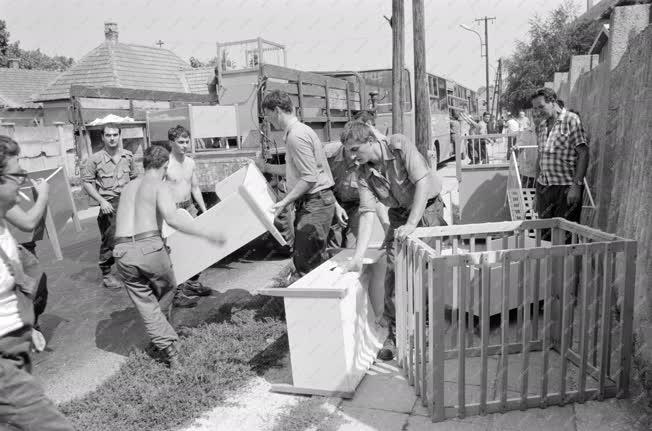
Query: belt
(315, 195)
(137, 237)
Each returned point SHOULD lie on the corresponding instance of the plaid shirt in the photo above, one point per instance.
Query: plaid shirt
(557, 154)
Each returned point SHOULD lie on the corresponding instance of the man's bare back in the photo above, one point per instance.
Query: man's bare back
(137, 211)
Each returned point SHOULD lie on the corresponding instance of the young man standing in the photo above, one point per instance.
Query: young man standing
(23, 404)
(309, 183)
(105, 174)
(182, 177)
(142, 258)
(395, 173)
(562, 158)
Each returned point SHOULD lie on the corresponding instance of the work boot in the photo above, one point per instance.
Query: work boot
(181, 300)
(110, 282)
(195, 288)
(388, 351)
(171, 357)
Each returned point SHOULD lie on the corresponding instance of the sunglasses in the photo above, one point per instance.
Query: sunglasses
(17, 177)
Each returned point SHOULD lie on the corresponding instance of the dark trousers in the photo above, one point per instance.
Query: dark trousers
(551, 202)
(23, 404)
(106, 223)
(477, 149)
(314, 213)
(432, 216)
(146, 271)
(345, 237)
(192, 210)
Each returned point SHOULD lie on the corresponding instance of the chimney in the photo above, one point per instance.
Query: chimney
(14, 63)
(111, 32)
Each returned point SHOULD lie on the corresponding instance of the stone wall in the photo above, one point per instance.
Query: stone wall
(615, 103)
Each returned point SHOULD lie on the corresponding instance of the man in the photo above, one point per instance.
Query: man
(182, 176)
(477, 148)
(511, 126)
(142, 258)
(309, 183)
(395, 173)
(104, 175)
(345, 224)
(23, 404)
(523, 121)
(562, 159)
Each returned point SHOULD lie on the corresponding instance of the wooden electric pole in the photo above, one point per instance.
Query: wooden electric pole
(422, 134)
(486, 20)
(398, 64)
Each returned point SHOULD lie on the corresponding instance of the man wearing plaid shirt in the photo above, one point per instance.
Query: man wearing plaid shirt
(562, 159)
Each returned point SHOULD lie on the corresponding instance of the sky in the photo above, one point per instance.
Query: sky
(318, 34)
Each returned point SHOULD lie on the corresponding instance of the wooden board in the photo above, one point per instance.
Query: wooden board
(482, 194)
(242, 213)
(333, 339)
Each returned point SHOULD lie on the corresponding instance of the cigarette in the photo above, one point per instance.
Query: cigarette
(24, 196)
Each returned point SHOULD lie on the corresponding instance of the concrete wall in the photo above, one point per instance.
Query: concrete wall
(615, 103)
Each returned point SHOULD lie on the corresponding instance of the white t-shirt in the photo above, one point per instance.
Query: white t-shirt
(9, 315)
(513, 126)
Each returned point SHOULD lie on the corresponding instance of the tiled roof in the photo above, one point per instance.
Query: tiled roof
(598, 10)
(198, 78)
(122, 65)
(17, 86)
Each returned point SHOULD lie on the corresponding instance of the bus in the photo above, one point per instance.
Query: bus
(446, 98)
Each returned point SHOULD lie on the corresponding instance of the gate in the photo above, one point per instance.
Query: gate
(569, 290)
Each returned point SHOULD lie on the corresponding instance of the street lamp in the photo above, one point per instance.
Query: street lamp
(479, 36)
(486, 58)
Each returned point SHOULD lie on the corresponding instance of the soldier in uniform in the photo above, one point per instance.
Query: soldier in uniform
(104, 175)
(393, 172)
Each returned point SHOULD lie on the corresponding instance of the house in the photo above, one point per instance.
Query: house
(17, 87)
(123, 65)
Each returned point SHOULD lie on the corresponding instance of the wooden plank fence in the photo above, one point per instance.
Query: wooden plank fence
(581, 326)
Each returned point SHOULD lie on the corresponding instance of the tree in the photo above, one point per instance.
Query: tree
(29, 59)
(553, 41)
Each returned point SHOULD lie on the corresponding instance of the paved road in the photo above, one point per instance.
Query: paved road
(91, 330)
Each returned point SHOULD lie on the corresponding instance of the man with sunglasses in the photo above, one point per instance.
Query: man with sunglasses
(104, 175)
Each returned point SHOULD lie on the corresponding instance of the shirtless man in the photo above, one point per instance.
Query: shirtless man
(184, 186)
(142, 258)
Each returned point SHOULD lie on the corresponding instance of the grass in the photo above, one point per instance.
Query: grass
(314, 413)
(216, 359)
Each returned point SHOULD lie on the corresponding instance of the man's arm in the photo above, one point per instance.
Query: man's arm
(416, 212)
(301, 188)
(368, 203)
(195, 191)
(28, 220)
(88, 177)
(383, 215)
(272, 169)
(575, 191)
(168, 210)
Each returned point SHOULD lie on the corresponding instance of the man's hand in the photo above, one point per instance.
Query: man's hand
(353, 265)
(341, 215)
(278, 207)
(574, 195)
(403, 231)
(42, 188)
(106, 207)
(216, 237)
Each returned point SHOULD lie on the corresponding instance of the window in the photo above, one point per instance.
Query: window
(381, 81)
(443, 94)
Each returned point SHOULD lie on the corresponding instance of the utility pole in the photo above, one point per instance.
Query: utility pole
(397, 22)
(500, 87)
(486, 20)
(422, 133)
